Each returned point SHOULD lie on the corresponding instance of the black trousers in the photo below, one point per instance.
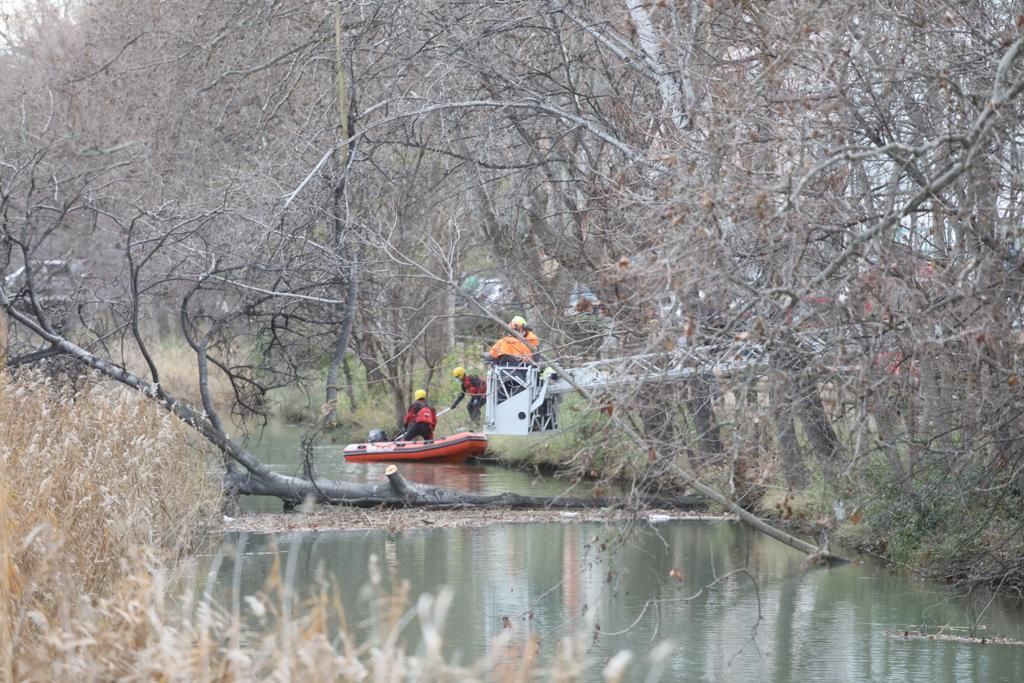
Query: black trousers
(417, 429)
(476, 402)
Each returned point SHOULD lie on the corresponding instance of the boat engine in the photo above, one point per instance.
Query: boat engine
(377, 435)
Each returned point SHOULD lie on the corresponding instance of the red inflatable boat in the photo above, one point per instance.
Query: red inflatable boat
(454, 448)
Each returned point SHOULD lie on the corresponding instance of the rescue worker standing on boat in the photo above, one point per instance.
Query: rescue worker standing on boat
(475, 387)
(420, 419)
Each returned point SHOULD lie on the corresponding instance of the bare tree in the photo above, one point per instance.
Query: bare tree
(835, 184)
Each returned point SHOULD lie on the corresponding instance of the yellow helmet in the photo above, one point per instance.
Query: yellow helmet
(517, 323)
(420, 395)
(459, 372)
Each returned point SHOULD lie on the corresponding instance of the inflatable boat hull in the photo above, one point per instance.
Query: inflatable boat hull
(450, 449)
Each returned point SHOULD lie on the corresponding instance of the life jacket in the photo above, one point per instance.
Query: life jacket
(426, 414)
(412, 414)
(512, 347)
(473, 385)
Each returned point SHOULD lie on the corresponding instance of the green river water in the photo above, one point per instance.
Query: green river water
(724, 603)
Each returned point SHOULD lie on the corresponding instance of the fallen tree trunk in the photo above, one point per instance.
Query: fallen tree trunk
(818, 554)
(399, 492)
(711, 495)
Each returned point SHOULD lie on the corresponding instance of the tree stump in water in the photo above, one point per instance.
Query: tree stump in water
(399, 483)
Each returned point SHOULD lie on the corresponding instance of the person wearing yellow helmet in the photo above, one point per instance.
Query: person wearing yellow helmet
(420, 419)
(518, 324)
(475, 387)
(515, 350)
(511, 349)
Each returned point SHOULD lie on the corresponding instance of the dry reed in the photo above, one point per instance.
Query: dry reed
(97, 491)
(95, 484)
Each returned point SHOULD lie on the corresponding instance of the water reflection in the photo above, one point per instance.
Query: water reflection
(734, 605)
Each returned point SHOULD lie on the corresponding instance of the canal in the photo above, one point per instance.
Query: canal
(709, 599)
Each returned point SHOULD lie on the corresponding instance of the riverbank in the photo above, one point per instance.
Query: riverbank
(956, 530)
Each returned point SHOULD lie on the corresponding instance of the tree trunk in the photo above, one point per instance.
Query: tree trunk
(348, 385)
(330, 416)
(340, 347)
(790, 456)
(818, 428)
(698, 403)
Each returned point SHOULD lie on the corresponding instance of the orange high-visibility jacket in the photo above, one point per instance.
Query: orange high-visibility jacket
(511, 346)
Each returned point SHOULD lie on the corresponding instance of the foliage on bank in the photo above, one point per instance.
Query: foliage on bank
(960, 525)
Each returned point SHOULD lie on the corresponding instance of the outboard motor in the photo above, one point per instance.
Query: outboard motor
(377, 435)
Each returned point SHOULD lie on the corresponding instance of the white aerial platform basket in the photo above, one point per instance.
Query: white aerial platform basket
(518, 401)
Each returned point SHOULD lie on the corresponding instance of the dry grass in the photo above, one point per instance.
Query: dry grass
(97, 490)
(93, 487)
(179, 374)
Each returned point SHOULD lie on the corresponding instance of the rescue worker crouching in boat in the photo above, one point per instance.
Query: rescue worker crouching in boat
(420, 419)
(473, 385)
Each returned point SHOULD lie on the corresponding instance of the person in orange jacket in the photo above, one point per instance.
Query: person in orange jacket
(515, 351)
(420, 419)
(510, 349)
(532, 340)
